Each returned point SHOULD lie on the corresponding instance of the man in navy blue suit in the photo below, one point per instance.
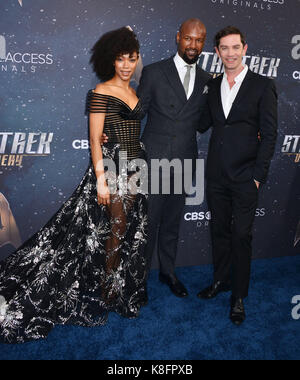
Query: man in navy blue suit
(173, 93)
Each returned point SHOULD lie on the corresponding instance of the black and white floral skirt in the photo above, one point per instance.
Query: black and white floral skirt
(87, 261)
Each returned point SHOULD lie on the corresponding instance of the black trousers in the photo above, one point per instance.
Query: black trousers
(164, 218)
(233, 207)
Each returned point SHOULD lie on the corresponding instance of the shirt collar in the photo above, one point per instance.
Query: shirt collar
(241, 76)
(180, 63)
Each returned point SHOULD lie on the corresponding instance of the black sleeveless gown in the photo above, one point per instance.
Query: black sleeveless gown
(88, 260)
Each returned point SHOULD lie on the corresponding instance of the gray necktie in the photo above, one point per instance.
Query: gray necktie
(187, 79)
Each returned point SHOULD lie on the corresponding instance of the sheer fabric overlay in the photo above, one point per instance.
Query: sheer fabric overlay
(88, 260)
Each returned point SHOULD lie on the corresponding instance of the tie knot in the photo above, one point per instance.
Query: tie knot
(188, 67)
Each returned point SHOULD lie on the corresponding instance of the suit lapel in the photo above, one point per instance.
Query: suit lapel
(198, 88)
(219, 106)
(173, 77)
(241, 94)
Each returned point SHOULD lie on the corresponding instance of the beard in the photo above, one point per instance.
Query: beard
(190, 61)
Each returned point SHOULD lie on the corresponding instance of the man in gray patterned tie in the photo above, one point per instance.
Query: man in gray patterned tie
(173, 94)
(187, 79)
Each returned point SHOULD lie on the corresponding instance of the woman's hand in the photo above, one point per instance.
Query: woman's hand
(104, 139)
(103, 194)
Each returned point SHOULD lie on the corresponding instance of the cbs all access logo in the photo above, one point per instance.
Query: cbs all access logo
(261, 5)
(203, 218)
(296, 55)
(21, 61)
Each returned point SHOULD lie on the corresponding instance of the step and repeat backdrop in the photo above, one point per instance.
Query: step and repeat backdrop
(45, 76)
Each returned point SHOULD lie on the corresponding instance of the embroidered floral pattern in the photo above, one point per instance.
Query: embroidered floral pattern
(86, 261)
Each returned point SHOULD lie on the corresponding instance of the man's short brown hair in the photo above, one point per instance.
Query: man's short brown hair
(227, 32)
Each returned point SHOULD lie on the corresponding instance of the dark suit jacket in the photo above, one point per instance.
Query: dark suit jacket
(173, 120)
(235, 149)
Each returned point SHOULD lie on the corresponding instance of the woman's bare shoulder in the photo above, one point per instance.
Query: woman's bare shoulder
(102, 88)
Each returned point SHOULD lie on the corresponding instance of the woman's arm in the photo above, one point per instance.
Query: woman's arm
(96, 131)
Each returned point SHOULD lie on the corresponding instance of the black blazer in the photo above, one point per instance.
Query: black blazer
(235, 149)
(172, 123)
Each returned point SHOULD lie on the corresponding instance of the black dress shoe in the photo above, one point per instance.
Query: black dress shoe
(213, 290)
(237, 312)
(176, 287)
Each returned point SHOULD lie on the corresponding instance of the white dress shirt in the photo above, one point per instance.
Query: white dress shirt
(228, 95)
(182, 70)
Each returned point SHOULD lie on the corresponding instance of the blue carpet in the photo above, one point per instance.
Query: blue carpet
(174, 329)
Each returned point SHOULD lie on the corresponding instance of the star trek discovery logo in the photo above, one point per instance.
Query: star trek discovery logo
(15, 146)
(291, 147)
(264, 66)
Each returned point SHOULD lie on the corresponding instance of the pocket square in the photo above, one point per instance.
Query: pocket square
(205, 91)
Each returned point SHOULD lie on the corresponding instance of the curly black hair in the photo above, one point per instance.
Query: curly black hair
(110, 46)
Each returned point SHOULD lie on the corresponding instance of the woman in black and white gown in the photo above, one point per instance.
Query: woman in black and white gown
(88, 260)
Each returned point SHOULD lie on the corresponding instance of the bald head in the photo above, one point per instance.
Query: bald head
(191, 39)
(192, 22)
